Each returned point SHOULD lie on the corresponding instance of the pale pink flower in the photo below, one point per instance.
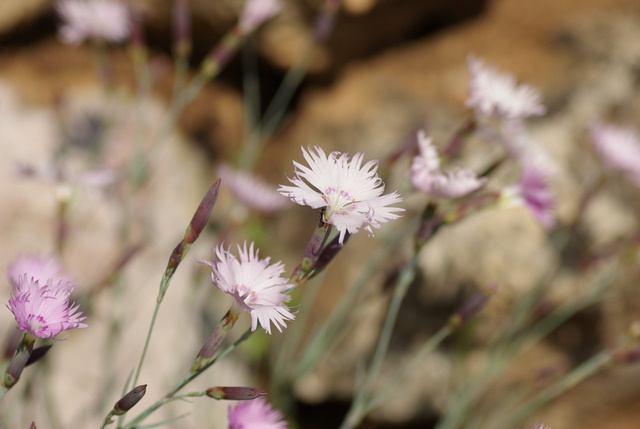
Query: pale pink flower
(541, 426)
(93, 19)
(619, 149)
(42, 269)
(427, 177)
(256, 286)
(42, 307)
(496, 94)
(255, 414)
(251, 191)
(533, 191)
(256, 12)
(350, 193)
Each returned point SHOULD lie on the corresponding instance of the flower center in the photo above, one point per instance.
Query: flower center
(338, 201)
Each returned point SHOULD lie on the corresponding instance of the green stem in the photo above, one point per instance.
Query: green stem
(358, 407)
(146, 343)
(186, 379)
(584, 371)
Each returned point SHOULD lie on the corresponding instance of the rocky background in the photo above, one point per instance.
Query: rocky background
(389, 67)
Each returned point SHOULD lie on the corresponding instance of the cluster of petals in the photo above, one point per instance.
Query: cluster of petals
(256, 285)
(619, 149)
(93, 19)
(350, 193)
(255, 12)
(251, 191)
(496, 94)
(40, 298)
(255, 414)
(427, 177)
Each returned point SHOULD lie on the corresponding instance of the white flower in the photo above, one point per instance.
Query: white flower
(251, 191)
(93, 19)
(427, 177)
(496, 94)
(619, 149)
(349, 192)
(256, 286)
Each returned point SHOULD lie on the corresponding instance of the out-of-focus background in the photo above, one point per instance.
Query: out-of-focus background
(388, 68)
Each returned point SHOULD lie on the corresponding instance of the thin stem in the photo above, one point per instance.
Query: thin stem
(146, 343)
(186, 379)
(578, 375)
(358, 407)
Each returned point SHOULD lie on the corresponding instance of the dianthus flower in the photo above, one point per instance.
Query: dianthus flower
(496, 94)
(42, 308)
(427, 177)
(350, 193)
(40, 268)
(93, 19)
(255, 285)
(255, 414)
(251, 191)
(533, 191)
(619, 149)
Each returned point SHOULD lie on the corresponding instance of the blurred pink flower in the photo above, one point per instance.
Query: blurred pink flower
(256, 12)
(255, 414)
(533, 191)
(350, 193)
(541, 426)
(93, 19)
(42, 307)
(427, 177)
(496, 94)
(256, 286)
(619, 149)
(42, 269)
(251, 191)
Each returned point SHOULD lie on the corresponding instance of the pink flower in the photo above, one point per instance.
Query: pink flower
(349, 193)
(42, 307)
(619, 149)
(256, 286)
(39, 268)
(541, 426)
(496, 94)
(251, 191)
(256, 12)
(533, 191)
(255, 414)
(93, 19)
(427, 177)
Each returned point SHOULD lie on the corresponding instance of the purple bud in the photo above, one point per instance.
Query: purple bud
(129, 400)
(38, 354)
(471, 307)
(235, 393)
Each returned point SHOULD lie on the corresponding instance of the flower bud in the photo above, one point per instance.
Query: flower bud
(129, 400)
(471, 307)
(234, 393)
(38, 354)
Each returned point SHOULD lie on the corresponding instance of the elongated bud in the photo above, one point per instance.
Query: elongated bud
(181, 28)
(326, 20)
(197, 224)
(129, 400)
(38, 354)
(235, 393)
(33, 425)
(471, 307)
(19, 361)
(214, 341)
(329, 252)
(429, 225)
